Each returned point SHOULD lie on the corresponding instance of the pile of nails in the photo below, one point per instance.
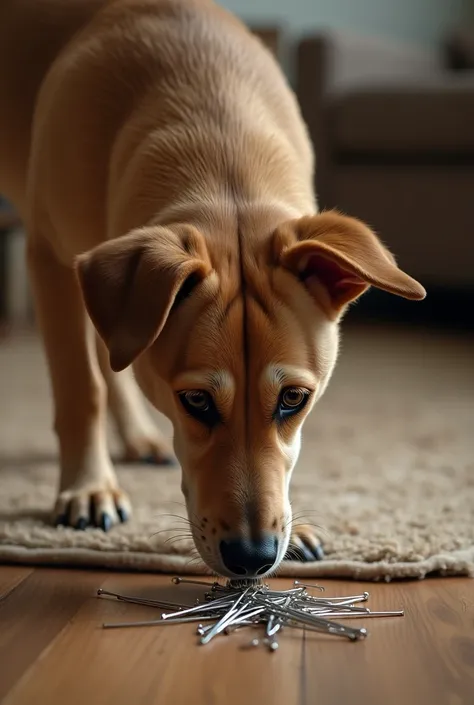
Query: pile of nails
(238, 604)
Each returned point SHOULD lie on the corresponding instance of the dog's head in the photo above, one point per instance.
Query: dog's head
(235, 347)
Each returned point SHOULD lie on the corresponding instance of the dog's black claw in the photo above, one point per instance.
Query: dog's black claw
(307, 554)
(318, 553)
(61, 520)
(122, 515)
(81, 524)
(105, 522)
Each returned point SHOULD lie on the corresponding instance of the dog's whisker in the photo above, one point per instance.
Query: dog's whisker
(183, 537)
(174, 516)
(305, 523)
(303, 517)
(185, 534)
(305, 514)
(177, 539)
(308, 511)
(195, 561)
(291, 553)
(166, 531)
(184, 519)
(194, 516)
(300, 520)
(180, 520)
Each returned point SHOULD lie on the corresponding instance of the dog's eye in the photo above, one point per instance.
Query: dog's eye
(291, 401)
(293, 397)
(200, 405)
(198, 400)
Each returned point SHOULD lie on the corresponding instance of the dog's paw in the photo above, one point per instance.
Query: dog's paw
(304, 545)
(102, 507)
(148, 448)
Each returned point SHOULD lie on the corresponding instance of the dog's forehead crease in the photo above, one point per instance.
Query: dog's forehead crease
(247, 346)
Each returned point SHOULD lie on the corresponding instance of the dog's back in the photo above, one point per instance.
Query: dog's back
(165, 50)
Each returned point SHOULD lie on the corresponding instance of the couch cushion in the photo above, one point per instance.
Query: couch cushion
(433, 119)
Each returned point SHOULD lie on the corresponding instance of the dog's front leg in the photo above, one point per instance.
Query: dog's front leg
(88, 491)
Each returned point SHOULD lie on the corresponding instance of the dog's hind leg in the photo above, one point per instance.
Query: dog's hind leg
(141, 439)
(88, 492)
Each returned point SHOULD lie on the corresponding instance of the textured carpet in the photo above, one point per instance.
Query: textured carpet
(387, 468)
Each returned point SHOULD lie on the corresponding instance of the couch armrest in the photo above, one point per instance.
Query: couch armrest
(330, 63)
(352, 61)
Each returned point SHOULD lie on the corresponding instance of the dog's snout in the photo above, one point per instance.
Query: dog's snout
(249, 557)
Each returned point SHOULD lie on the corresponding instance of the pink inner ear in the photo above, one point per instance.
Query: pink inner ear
(336, 279)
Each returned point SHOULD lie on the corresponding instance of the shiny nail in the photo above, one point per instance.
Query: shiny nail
(298, 583)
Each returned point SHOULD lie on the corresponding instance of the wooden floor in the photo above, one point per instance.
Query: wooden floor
(53, 650)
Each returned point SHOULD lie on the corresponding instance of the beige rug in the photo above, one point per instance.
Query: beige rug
(387, 468)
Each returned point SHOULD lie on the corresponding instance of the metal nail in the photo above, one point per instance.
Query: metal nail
(190, 581)
(269, 625)
(162, 604)
(250, 603)
(394, 613)
(276, 628)
(227, 617)
(298, 583)
(154, 622)
(323, 624)
(215, 605)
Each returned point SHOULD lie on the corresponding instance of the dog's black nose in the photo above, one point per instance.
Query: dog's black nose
(249, 557)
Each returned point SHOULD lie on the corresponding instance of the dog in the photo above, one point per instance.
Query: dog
(159, 161)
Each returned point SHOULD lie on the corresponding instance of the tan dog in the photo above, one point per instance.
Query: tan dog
(158, 140)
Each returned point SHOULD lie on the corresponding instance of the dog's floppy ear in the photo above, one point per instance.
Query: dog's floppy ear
(338, 258)
(130, 283)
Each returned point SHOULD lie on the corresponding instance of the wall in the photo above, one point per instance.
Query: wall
(420, 21)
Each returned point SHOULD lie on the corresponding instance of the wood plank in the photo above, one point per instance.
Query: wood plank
(10, 577)
(420, 659)
(423, 658)
(33, 614)
(157, 664)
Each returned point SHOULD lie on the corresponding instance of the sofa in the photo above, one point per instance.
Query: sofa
(393, 130)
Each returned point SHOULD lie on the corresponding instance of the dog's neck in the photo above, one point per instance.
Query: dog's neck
(224, 213)
(253, 202)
